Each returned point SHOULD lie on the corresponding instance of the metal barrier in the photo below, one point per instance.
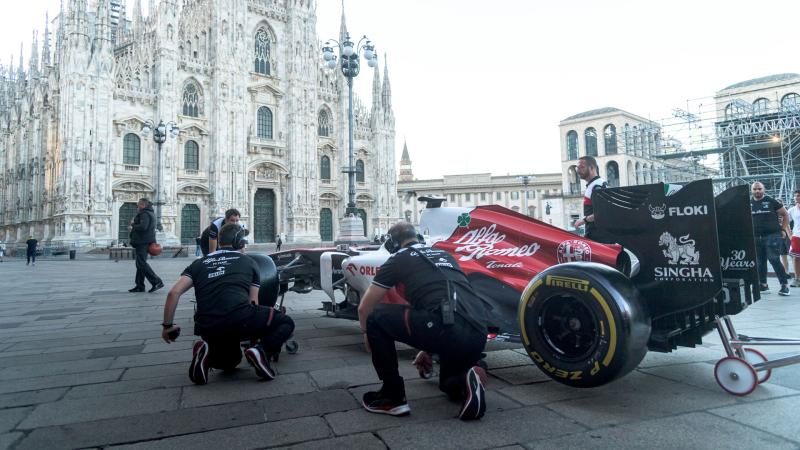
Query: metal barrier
(117, 253)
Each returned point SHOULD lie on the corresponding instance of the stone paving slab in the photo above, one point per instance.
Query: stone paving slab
(95, 408)
(56, 368)
(494, 430)
(637, 397)
(778, 416)
(10, 417)
(702, 375)
(129, 386)
(42, 358)
(136, 428)
(28, 398)
(364, 441)
(7, 440)
(247, 437)
(73, 379)
(246, 389)
(684, 431)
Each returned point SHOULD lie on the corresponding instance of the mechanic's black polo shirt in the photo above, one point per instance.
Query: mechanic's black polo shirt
(222, 282)
(417, 280)
(210, 232)
(765, 215)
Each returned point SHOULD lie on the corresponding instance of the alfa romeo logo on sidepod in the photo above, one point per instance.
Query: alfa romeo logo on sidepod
(463, 220)
(574, 250)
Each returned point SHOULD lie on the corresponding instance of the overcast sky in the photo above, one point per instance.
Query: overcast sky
(480, 86)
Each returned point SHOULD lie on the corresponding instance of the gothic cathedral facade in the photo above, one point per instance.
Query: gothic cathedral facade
(261, 125)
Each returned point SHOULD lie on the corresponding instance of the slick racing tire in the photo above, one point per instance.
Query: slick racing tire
(583, 324)
(268, 273)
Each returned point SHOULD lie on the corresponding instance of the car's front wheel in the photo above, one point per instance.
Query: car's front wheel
(583, 324)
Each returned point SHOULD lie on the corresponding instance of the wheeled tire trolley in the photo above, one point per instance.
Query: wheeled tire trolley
(745, 368)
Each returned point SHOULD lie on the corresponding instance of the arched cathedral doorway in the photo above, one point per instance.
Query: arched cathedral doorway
(127, 212)
(264, 216)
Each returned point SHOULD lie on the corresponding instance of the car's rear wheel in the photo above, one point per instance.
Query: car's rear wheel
(583, 324)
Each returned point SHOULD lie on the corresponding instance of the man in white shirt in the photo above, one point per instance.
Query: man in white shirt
(794, 250)
(588, 171)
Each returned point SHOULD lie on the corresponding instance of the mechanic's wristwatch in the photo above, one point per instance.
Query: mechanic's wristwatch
(167, 325)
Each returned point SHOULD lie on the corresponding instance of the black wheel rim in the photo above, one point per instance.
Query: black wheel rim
(569, 327)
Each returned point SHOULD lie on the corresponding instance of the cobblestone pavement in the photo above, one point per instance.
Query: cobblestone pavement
(82, 365)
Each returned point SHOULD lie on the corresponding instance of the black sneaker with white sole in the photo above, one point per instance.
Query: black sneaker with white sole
(784, 290)
(474, 405)
(380, 403)
(259, 360)
(198, 371)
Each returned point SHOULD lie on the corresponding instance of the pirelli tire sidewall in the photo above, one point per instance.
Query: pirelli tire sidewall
(620, 323)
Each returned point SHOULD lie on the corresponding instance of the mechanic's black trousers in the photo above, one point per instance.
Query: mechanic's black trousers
(270, 327)
(459, 346)
(768, 248)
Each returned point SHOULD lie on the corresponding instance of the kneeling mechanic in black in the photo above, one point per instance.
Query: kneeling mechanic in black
(431, 281)
(226, 284)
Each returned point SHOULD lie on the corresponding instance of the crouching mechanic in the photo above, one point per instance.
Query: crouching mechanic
(444, 316)
(226, 284)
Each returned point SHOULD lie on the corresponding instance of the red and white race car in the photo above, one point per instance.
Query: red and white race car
(586, 312)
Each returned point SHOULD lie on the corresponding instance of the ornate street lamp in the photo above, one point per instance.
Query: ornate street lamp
(159, 137)
(348, 58)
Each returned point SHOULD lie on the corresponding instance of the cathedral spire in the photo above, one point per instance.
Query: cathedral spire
(137, 17)
(46, 43)
(376, 89)
(21, 70)
(78, 20)
(386, 92)
(405, 165)
(342, 27)
(102, 25)
(405, 159)
(33, 64)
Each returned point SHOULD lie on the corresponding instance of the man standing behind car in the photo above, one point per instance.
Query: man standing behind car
(769, 219)
(794, 248)
(226, 285)
(588, 171)
(444, 316)
(143, 233)
(208, 239)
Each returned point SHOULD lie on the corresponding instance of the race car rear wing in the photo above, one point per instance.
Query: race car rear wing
(674, 235)
(696, 253)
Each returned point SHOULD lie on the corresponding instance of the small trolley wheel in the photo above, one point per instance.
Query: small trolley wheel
(754, 357)
(292, 346)
(735, 375)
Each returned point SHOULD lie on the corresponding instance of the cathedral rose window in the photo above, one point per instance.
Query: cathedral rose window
(324, 127)
(191, 100)
(262, 52)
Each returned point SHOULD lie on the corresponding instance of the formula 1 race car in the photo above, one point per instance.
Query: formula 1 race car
(586, 312)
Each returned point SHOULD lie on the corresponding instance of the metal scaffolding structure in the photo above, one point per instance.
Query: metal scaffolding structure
(735, 142)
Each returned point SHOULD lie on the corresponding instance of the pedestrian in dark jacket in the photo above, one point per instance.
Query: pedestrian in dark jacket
(143, 233)
(31, 250)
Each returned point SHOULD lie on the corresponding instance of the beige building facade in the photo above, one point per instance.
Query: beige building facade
(625, 146)
(543, 192)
